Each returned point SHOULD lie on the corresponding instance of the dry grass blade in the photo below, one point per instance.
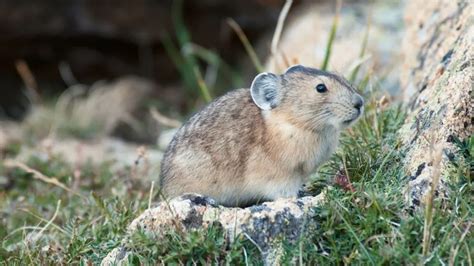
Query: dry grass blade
(354, 234)
(66, 74)
(29, 79)
(253, 242)
(44, 220)
(163, 120)
(245, 41)
(279, 27)
(35, 237)
(353, 69)
(454, 253)
(151, 194)
(245, 256)
(23, 228)
(436, 154)
(206, 95)
(276, 39)
(363, 48)
(468, 252)
(38, 175)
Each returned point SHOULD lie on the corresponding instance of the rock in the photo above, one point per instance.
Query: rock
(4, 182)
(118, 256)
(165, 138)
(262, 224)
(9, 132)
(118, 153)
(91, 111)
(437, 81)
(306, 34)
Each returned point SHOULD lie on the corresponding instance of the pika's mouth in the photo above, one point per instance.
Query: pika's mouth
(347, 122)
(354, 117)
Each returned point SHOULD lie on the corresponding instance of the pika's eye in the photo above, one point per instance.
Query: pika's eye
(321, 88)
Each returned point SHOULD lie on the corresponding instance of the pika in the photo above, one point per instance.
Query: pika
(260, 144)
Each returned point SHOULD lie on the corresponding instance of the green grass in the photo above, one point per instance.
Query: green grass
(194, 63)
(331, 37)
(84, 229)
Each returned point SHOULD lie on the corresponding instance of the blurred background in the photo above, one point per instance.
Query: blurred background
(106, 63)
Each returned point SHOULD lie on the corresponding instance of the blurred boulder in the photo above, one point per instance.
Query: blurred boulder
(437, 81)
(305, 37)
(115, 152)
(89, 112)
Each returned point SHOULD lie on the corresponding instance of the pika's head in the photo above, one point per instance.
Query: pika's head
(310, 97)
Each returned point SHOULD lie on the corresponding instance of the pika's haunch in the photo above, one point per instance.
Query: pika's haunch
(262, 143)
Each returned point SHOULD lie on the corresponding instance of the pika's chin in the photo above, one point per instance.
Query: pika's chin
(349, 122)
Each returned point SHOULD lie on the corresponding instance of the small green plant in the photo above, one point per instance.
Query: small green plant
(332, 36)
(362, 52)
(188, 58)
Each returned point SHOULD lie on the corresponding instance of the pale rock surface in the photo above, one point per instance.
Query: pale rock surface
(305, 36)
(437, 80)
(262, 224)
(117, 153)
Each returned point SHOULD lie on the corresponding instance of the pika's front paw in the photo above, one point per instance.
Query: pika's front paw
(304, 192)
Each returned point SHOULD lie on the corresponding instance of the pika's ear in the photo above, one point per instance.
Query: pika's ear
(265, 91)
(294, 68)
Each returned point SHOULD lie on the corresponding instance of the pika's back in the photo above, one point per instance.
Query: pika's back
(221, 134)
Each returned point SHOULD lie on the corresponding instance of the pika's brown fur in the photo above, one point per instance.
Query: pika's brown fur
(260, 144)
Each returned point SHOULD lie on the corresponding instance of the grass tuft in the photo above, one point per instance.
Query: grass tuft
(363, 49)
(332, 36)
(190, 59)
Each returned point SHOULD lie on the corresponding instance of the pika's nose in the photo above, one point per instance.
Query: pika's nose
(357, 101)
